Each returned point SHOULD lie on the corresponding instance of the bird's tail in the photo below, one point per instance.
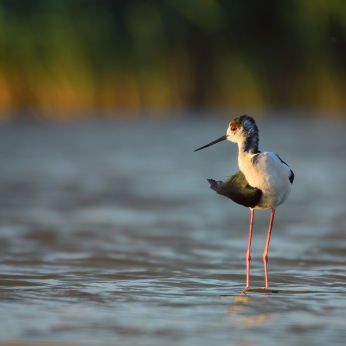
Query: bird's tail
(214, 185)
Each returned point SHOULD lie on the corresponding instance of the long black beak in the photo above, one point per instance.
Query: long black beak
(212, 143)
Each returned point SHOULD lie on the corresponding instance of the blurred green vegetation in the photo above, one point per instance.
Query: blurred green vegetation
(64, 57)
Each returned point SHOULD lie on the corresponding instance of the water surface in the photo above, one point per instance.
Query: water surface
(110, 235)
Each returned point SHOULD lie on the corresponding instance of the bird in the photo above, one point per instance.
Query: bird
(263, 181)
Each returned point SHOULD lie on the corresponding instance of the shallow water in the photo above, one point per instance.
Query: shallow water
(110, 235)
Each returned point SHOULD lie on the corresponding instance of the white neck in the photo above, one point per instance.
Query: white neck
(244, 156)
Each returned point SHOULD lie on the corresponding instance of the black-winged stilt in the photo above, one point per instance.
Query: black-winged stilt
(263, 182)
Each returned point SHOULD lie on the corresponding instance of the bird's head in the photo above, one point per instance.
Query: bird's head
(239, 130)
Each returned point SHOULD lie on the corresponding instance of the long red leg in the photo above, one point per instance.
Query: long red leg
(248, 257)
(265, 253)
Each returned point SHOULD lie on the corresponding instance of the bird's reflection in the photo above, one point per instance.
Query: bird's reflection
(239, 309)
(265, 291)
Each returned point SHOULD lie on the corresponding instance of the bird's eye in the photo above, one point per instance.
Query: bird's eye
(233, 129)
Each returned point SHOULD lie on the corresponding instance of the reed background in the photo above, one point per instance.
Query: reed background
(70, 58)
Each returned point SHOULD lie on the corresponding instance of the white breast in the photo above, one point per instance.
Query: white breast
(266, 172)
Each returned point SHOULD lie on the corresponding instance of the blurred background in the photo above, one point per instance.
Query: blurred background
(72, 58)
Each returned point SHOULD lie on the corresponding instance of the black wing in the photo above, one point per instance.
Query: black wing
(291, 178)
(238, 190)
(282, 160)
